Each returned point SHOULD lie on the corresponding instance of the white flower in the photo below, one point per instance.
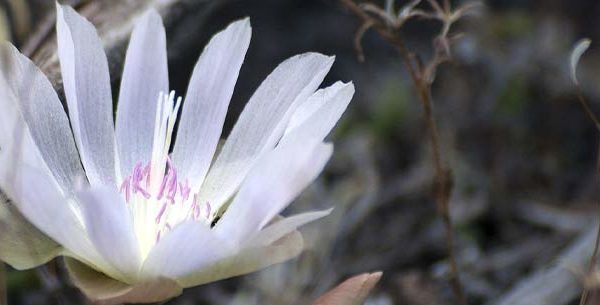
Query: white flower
(135, 222)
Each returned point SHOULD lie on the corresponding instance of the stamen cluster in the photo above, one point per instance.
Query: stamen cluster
(157, 198)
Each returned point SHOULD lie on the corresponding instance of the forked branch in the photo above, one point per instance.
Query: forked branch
(387, 22)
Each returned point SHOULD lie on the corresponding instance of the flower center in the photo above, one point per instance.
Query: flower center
(157, 198)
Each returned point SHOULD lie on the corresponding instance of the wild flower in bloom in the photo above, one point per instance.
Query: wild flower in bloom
(135, 220)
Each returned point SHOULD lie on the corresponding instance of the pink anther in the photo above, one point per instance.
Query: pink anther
(208, 209)
(185, 190)
(125, 188)
(161, 213)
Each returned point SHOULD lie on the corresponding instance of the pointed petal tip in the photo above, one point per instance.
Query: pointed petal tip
(328, 149)
(243, 23)
(345, 86)
(327, 60)
(61, 8)
(351, 84)
(354, 290)
(151, 15)
(376, 276)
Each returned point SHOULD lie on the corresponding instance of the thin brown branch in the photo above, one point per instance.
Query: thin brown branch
(358, 40)
(593, 258)
(443, 189)
(586, 107)
(3, 297)
(443, 174)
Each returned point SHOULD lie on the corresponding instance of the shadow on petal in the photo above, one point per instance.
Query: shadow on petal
(104, 290)
(22, 245)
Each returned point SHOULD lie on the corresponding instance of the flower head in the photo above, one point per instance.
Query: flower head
(136, 220)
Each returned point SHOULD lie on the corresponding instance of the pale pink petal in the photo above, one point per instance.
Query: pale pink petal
(246, 260)
(144, 76)
(87, 88)
(189, 246)
(110, 228)
(319, 114)
(207, 99)
(262, 123)
(40, 200)
(276, 179)
(29, 100)
(282, 227)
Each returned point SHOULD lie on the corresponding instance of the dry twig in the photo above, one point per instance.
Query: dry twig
(3, 300)
(579, 49)
(387, 24)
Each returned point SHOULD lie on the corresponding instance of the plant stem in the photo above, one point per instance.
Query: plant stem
(3, 297)
(593, 258)
(443, 174)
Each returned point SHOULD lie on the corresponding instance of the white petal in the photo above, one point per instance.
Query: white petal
(16, 143)
(110, 228)
(317, 116)
(263, 122)
(38, 198)
(107, 291)
(207, 99)
(246, 261)
(87, 87)
(276, 179)
(30, 99)
(190, 246)
(286, 225)
(21, 244)
(144, 76)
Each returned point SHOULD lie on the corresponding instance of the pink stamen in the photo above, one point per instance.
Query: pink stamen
(195, 200)
(138, 176)
(146, 173)
(185, 190)
(161, 212)
(134, 178)
(163, 185)
(125, 188)
(208, 209)
(172, 188)
(194, 207)
(142, 191)
(196, 213)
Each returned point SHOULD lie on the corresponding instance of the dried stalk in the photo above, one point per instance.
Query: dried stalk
(576, 54)
(3, 297)
(422, 78)
(586, 107)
